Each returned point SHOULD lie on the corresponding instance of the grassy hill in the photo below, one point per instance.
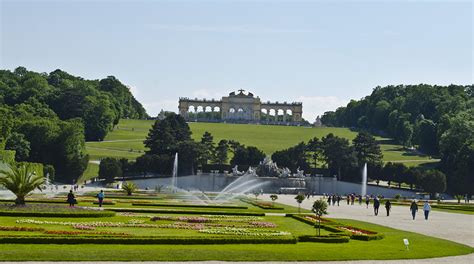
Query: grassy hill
(127, 139)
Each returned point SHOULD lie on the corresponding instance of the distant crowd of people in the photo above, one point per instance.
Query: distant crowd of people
(333, 199)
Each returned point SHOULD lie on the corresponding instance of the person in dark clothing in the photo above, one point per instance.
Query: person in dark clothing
(376, 206)
(71, 199)
(367, 201)
(329, 200)
(413, 209)
(388, 207)
(338, 199)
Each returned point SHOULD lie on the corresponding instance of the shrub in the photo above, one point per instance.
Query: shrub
(171, 211)
(48, 210)
(324, 239)
(148, 240)
(190, 205)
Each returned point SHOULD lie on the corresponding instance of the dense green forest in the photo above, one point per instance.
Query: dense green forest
(46, 118)
(437, 120)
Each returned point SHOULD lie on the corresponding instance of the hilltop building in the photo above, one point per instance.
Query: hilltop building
(241, 108)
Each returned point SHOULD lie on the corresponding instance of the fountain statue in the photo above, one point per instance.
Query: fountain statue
(268, 168)
(299, 173)
(285, 173)
(236, 172)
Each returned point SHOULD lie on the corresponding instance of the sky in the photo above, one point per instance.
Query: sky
(322, 53)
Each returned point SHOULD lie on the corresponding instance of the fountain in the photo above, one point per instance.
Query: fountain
(364, 181)
(174, 176)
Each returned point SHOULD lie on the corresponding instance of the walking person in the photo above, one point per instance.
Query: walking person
(71, 199)
(352, 199)
(360, 199)
(426, 209)
(348, 199)
(334, 200)
(413, 209)
(100, 197)
(376, 206)
(367, 201)
(388, 207)
(329, 200)
(338, 199)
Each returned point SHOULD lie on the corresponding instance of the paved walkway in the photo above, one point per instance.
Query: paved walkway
(451, 226)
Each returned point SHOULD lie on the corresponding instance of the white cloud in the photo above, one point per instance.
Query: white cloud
(317, 105)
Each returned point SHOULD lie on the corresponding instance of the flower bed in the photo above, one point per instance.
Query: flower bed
(261, 204)
(89, 224)
(74, 233)
(20, 228)
(243, 231)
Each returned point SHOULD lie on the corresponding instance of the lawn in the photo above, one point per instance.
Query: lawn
(127, 139)
(390, 247)
(170, 231)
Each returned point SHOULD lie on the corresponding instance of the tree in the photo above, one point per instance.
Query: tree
(427, 137)
(274, 197)
(109, 168)
(367, 149)
(21, 179)
(320, 208)
(20, 145)
(251, 156)
(208, 148)
(129, 187)
(221, 151)
(299, 199)
(338, 154)
(165, 135)
(434, 181)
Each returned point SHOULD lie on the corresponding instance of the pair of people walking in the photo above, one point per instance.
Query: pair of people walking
(414, 209)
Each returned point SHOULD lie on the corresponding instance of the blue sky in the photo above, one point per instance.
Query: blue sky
(323, 53)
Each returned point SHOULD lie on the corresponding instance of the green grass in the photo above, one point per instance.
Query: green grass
(391, 247)
(127, 139)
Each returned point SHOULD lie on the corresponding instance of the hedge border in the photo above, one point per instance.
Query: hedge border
(191, 205)
(164, 211)
(59, 214)
(146, 240)
(324, 239)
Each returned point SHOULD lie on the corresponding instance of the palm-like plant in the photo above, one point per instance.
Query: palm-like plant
(129, 187)
(320, 208)
(21, 179)
(299, 198)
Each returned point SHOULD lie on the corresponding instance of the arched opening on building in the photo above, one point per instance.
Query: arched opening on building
(264, 115)
(280, 115)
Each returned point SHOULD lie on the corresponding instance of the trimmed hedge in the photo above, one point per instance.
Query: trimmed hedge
(165, 211)
(147, 240)
(58, 214)
(367, 237)
(191, 205)
(324, 239)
